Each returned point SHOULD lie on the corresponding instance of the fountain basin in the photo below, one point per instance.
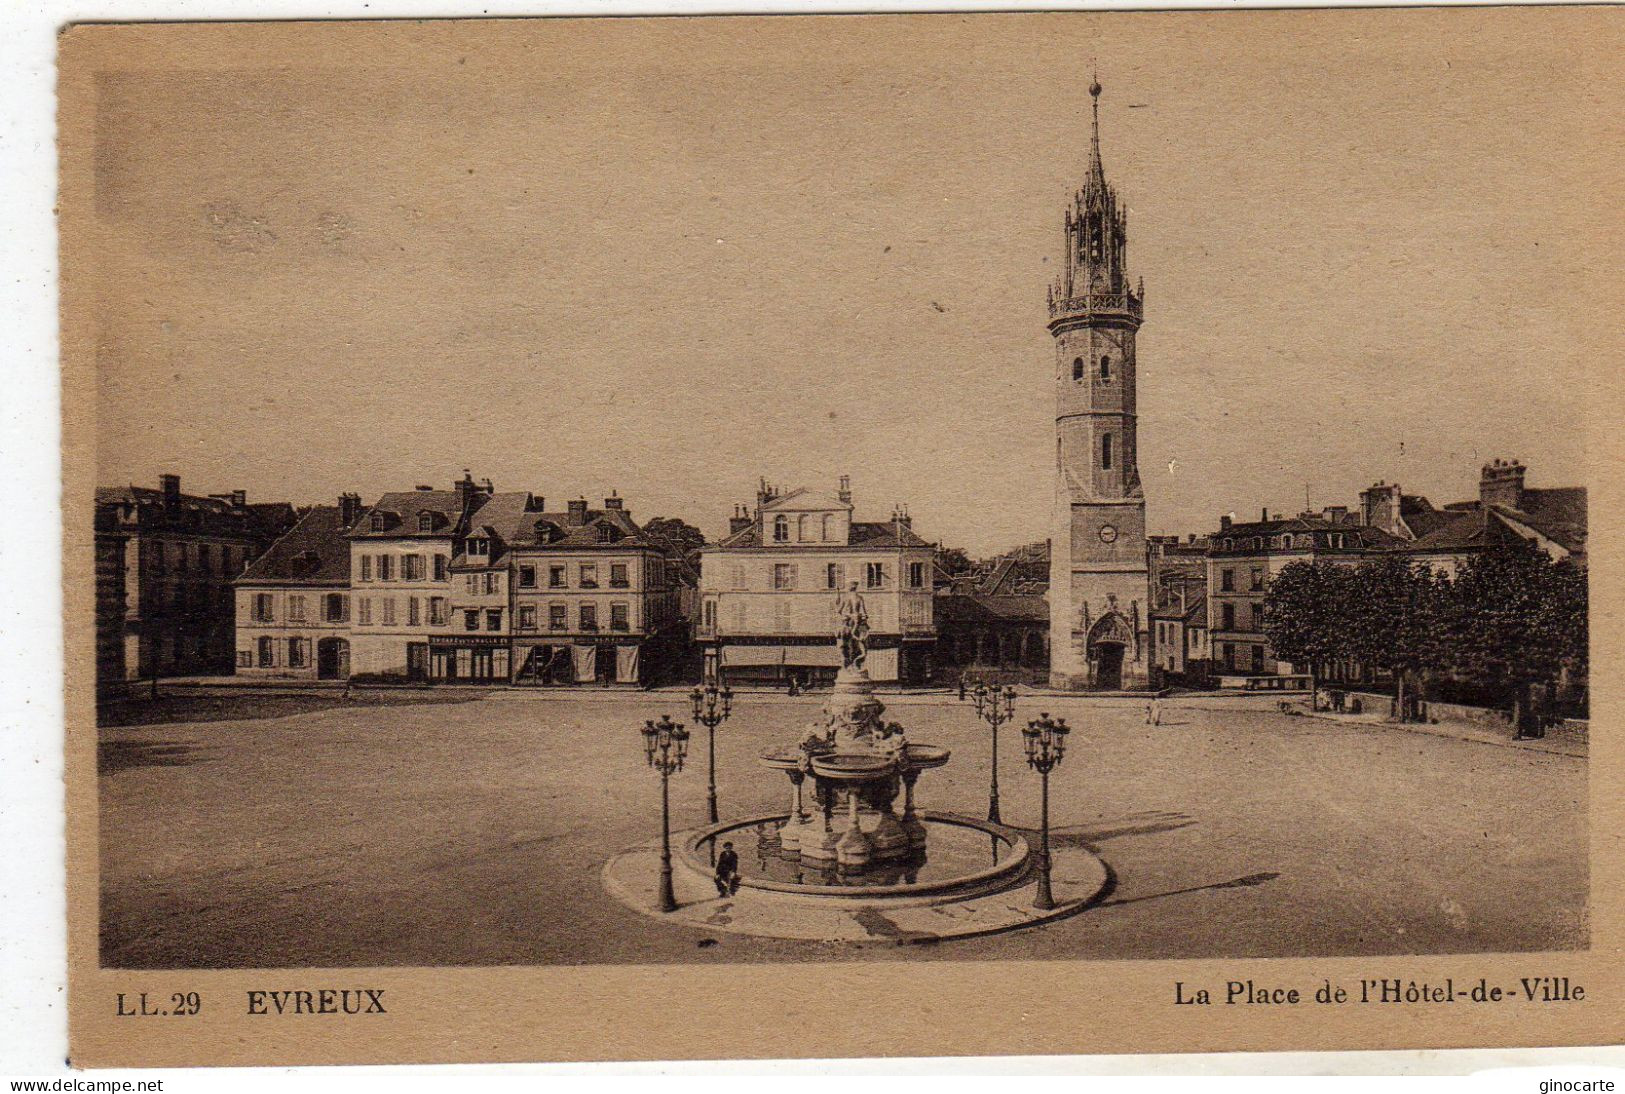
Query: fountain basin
(950, 869)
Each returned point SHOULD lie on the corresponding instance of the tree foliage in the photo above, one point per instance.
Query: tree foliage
(683, 537)
(1514, 615)
(1305, 613)
(953, 560)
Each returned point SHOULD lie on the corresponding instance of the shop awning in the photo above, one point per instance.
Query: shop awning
(753, 655)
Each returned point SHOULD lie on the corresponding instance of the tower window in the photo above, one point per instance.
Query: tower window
(1106, 452)
(1105, 368)
(1077, 368)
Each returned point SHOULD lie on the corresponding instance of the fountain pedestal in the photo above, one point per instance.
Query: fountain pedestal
(858, 764)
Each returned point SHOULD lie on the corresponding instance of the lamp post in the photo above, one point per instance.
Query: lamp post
(665, 743)
(711, 709)
(994, 706)
(1046, 745)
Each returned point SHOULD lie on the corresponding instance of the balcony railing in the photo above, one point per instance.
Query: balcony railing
(1095, 303)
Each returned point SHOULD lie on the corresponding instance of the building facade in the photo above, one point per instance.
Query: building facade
(1177, 572)
(993, 620)
(1245, 557)
(180, 555)
(400, 576)
(575, 597)
(293, 602)
(1098, 582)
(767, 590)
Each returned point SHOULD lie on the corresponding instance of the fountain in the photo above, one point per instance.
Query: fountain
(859, 764)
(842, 862)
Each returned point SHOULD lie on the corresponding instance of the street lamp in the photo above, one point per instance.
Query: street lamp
(711, 709)
(1046, 745)
(665, 743)
(995, 707)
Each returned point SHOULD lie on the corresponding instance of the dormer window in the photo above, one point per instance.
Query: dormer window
(781, 529)
(378, 522)
(607, 533)
(425, 522)
(479, 548)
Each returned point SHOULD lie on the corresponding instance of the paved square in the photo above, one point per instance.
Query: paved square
(473, 833)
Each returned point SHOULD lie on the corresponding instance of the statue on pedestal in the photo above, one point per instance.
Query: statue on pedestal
(854, 627)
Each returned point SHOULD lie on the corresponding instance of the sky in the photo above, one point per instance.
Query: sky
(667, 258)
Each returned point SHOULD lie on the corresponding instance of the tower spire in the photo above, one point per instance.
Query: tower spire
(1097, 173)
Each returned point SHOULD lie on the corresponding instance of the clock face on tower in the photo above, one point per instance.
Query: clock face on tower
(1108, 534)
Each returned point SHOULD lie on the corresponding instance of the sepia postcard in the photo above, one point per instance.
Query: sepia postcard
(931, 535)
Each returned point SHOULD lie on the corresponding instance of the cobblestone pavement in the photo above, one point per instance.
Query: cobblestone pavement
(474, 833)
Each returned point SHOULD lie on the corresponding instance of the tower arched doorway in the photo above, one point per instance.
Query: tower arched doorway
(1108, 665)
(1109, 641)
(333, 659)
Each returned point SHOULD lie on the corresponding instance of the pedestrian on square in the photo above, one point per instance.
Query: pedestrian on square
(727, 875)
(1153, 711)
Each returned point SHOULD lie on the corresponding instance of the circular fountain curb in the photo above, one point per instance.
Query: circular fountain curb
(631, 877)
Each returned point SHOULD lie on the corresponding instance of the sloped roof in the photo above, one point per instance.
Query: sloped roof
(804, 498)
(514, 525)
(1458, 531)
(400, 511)
(315, 551)
(863, 534)
(1419, 515)
(212, 516)
(956, 608)
(1364, 535)
(1557, 513)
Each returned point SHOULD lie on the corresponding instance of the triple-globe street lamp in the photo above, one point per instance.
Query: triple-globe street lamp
(1045, 739)
(711, 708)
(665, 743)
(995, 706)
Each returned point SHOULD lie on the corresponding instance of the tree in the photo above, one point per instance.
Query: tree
(683, 537)
(953, 560)
(1395, 622)
(1517, 618)
(1305, 616)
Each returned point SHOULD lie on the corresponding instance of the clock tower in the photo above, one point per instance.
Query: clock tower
(1098, 580)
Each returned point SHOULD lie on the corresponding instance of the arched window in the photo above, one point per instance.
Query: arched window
(829, 527)
(1077, 368)
(1106, 452)
(425, 522)
(781, 529)
(1105, 368)
(801, 528)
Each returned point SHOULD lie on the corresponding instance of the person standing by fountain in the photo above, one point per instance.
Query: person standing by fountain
(727, 875)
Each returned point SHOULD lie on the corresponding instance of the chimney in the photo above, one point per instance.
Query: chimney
(1501, 483)
(486, 488)
(171, 485)
(613, 501)
(1224, 523)
(1379, 507)
(739, 521)
(465, 490)
(845, 492)
(349, 509)
(239, 499)
(1264, 514)
(900, 517)
(578, 512)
